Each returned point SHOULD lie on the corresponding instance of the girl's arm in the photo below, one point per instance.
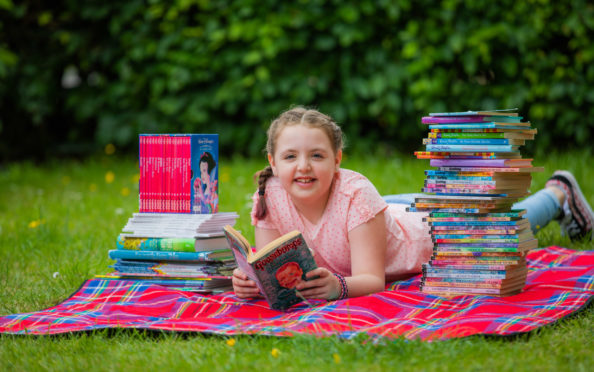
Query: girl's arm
(265, 236)
(368, 255)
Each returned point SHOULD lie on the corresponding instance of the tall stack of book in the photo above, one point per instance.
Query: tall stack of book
(176, 239)
(480, 243)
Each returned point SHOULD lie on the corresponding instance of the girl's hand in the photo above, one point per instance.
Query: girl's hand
(326, 286)
(243, 286)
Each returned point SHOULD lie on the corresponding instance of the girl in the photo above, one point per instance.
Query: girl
(358, 239)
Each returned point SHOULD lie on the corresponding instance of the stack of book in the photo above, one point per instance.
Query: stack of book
(177, 238)
(181, 251)
(480, 243)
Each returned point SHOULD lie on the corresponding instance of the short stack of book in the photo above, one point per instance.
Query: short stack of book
(181, 251)
(480, 243)
(176, 239)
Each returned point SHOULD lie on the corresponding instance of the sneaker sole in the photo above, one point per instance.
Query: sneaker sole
(583, 208)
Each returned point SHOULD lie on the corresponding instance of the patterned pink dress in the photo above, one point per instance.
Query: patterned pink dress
(353, 201)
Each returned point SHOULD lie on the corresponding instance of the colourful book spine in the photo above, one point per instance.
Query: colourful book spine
(481, 126)
(474, 141)
(480, 162)
(465, 148)
(162, 255)
(469, 119)
(157, 244)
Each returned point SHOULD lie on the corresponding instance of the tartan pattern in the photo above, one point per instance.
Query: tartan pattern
(560, 282)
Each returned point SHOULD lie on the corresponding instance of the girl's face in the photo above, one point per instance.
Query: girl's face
(305, 162)
(204, 176)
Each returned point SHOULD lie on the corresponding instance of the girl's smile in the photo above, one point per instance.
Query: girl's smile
(305, 162)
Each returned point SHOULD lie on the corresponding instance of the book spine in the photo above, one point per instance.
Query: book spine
(479, 126)
(468, 141)
(159, 255)
(157, 244)
(464, 148)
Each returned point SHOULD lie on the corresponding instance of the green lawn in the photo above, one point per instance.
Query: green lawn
(58, 221)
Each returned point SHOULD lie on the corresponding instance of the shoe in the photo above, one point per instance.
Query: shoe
(577, 218)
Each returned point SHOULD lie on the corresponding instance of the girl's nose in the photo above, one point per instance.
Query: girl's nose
(303, 164)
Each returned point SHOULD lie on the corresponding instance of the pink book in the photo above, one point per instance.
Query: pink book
(518, 163)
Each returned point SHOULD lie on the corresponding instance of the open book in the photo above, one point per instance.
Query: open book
(276, 268)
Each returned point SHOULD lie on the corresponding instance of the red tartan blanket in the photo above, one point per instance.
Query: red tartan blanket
(560, 282)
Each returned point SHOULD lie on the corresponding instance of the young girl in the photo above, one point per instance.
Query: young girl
(359, 239)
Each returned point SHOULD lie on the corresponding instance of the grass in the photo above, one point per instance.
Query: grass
(57, 222)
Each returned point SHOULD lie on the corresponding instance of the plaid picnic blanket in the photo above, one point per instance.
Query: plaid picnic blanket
(560, 283)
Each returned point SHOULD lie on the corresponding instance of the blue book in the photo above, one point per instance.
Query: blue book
(114, 254)
(471, 141)
(480, 126)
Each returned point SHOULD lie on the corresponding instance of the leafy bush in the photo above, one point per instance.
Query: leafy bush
(75, 76)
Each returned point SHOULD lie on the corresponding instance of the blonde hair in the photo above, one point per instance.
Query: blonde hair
(295, 116)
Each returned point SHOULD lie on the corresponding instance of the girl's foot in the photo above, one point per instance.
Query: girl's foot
(576, 218)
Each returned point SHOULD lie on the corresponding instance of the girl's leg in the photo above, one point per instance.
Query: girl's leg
(541, 208)
(402, 198)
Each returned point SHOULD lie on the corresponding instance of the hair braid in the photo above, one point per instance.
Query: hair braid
(261, 177)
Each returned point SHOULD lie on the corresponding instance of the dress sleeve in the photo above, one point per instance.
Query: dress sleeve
(365, 204)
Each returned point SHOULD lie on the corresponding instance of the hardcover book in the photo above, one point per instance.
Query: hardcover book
(276, 268)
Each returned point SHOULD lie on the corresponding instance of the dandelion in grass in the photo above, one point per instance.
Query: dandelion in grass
(109, 177)
(110, 149)
(92, 187)
(231, 342)
(225, 174)
(275, 352)
(35, 224)
(125, 191)
(336, 358)
(119, 211)
(65, 180)
(135, 178)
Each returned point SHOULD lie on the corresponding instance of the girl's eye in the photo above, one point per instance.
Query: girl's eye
(289, 157)
(318, 156)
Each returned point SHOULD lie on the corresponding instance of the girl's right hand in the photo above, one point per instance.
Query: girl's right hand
(243, 286)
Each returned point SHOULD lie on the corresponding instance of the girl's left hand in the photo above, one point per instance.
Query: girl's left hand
(325, 286)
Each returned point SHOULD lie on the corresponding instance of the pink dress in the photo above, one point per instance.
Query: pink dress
(353, 201)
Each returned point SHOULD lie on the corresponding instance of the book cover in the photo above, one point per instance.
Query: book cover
(276, 268)
(178, 173)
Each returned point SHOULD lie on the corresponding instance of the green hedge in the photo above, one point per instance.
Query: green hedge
(75, 76)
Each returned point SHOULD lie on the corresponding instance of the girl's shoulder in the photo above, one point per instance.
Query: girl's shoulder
(350, 182)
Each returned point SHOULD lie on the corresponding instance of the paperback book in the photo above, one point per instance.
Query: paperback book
(276, 268)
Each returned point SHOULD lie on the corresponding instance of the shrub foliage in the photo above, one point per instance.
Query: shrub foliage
(75, 76)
